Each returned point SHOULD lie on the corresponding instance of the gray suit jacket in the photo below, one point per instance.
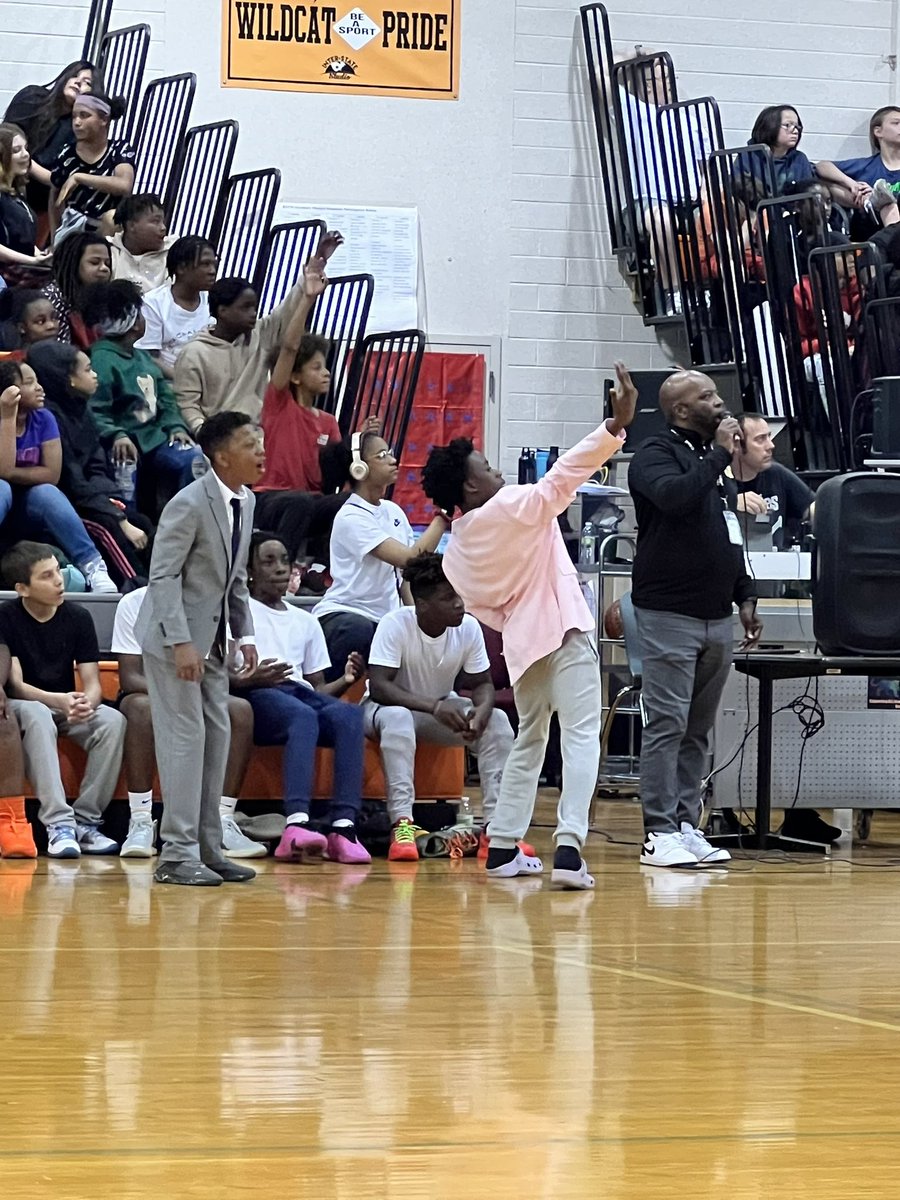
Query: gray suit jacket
(192, 575)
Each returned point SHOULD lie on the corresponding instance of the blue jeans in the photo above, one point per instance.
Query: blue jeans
(174, 465)
(300, 719)
(26, 510)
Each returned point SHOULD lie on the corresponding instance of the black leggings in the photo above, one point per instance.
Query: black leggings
(346, 631)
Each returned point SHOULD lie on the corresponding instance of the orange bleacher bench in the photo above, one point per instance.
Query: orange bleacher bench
(440, 770)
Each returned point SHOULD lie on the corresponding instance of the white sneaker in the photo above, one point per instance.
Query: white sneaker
(141, 839)
(62, 842)
(705, 854)
(92, 841)
(97, 577)
(667, 850)
(236, 845)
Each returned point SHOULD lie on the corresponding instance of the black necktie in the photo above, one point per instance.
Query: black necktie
(235, 529)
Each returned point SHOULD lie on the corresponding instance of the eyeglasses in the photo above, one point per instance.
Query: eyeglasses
(791, 127)
(382, 454)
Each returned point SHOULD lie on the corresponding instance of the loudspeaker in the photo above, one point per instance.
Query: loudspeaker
(886, 417)
(856, 579)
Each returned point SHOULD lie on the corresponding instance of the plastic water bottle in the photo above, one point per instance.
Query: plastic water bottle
(465, 815)
(125, 479)
(552, 456)
(588, 545)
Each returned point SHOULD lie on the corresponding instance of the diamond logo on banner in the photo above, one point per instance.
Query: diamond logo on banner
(357, 29)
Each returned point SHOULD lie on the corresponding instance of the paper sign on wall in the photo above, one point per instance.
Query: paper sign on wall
(409, 49)
(383, 242)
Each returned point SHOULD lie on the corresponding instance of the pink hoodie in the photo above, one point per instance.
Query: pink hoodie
(509, 562)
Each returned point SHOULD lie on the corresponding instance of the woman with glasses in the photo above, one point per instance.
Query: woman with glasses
(781, 129)
(371, 542)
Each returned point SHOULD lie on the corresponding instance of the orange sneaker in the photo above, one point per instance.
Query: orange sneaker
(403, 842)
(484, 843)
(16, 840)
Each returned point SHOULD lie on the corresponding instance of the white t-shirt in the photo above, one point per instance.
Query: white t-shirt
(291, 635)
(364, 584)
(123, 639)
(169, 326)
(428, 666)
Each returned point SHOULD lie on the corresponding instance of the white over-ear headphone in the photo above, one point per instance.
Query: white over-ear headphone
(359, 468)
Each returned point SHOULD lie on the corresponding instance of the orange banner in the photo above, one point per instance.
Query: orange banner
(410, 49)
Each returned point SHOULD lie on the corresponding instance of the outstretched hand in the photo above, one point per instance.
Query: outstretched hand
(623, 398)
(315, 280)
(328, 243)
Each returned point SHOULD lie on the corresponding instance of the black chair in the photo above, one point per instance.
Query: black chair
(287, 249)
(160, 131)
(340, 315)
(383, 377)
(123, 57)
(196, 197)
(247, 217)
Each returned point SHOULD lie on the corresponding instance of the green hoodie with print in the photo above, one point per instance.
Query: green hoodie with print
(133, 398)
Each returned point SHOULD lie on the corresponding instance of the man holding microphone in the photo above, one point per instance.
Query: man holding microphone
(688, 571)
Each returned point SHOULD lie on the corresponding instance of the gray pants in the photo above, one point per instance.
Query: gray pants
(399, 731)
(685, 668)
(566, 682)
(102, 737)
(192, 734)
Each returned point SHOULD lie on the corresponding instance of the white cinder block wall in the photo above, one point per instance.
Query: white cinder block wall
(506, 179)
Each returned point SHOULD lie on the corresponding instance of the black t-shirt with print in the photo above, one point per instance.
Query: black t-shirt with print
(86, 199)
(787, 499)
(48, 650)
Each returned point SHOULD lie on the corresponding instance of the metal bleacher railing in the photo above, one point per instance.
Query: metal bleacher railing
(247, 215)
(99, 17)
(123, 57)
(383, 379)
(160, 132)
(340, 315)
(287, 248)
(196, 199)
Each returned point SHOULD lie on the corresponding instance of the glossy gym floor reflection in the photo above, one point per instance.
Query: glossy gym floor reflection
(418, 1032)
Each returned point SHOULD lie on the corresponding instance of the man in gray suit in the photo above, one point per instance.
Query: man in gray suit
(198, 588)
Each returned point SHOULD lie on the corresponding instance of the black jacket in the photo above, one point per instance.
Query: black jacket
(685, 562)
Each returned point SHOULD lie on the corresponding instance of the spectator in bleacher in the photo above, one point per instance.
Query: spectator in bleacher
(69, 382)
(371, 542)
(821, 222)
(44, 112)
(140, 750)
(289, 497)
(16, 838)
(140, 247)
(660, 167)
(21, 262)
(30, 467)
(81, 260)
(227, 367)
(47, 639)
(177, 311)
(90, 177)
(851, 304)
(26, 317)
(779, 127)
(853, 181)
(420, 659)
(294, 707)
(134, 407)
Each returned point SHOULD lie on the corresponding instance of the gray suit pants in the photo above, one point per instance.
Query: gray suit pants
(192, 733)
(685, 668)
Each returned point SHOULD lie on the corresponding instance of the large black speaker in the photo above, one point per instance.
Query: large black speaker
(886, 417)
(856, 583)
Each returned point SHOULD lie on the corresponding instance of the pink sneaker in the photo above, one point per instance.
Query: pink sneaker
(341, 849)
(299, 844)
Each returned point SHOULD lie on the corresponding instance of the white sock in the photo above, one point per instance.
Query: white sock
(227, 806)
(140, 802)
(298, 819)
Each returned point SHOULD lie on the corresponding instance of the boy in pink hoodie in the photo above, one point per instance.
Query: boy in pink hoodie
(508, 561)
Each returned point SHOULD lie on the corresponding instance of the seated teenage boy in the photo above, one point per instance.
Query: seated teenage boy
(16, 840)
(140, 751)
(47, 639)
(294, 707)
(420, 658)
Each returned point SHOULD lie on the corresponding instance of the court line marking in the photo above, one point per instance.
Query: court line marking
(705, 989)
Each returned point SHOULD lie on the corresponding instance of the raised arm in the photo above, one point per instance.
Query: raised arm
(314, 284)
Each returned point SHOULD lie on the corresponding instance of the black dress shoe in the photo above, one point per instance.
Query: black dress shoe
(806, 825)
(230, 872)
(190, 874)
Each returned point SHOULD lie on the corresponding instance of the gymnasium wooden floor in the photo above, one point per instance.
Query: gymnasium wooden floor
(416, 1032)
